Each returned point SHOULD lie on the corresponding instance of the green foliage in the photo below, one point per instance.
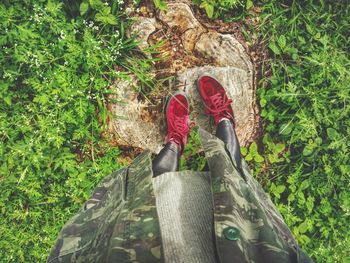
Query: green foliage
(253, 154)
(160, 4)
(193, 157)
(273, 153)
(57, 62)
(303, 159)
(229, 10)
(306, 108)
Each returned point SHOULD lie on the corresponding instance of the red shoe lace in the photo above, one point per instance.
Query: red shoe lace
(219, 107)
(179, 130)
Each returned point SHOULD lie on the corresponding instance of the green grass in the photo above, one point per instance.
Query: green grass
(227, 10)
(57, 62)
(307, 108)
(303, 159)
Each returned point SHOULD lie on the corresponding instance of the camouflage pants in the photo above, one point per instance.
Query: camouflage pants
(119, 223)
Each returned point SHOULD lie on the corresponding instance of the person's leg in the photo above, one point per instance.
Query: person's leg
(226, 132)
(218, 106)
(177, 111)
(167, 160)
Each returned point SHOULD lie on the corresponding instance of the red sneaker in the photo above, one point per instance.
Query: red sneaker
(177, 111)
(215, 100)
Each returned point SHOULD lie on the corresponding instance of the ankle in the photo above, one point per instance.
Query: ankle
(226, 120)
(225, 130)
(223, 119)
(175, 146)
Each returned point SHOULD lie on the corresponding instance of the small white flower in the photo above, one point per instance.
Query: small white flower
(128, 10)
(62, 35)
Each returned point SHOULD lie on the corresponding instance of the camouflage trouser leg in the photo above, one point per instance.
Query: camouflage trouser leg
(241, 204)
(226, 132)
(119, 223)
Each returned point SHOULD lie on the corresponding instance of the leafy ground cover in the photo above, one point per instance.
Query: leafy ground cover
(303, 158)
(306, 113)
(58, 59)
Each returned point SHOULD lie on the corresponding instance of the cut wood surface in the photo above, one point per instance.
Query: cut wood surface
(191, 50)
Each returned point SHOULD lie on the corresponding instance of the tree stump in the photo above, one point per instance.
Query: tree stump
(191, 50)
